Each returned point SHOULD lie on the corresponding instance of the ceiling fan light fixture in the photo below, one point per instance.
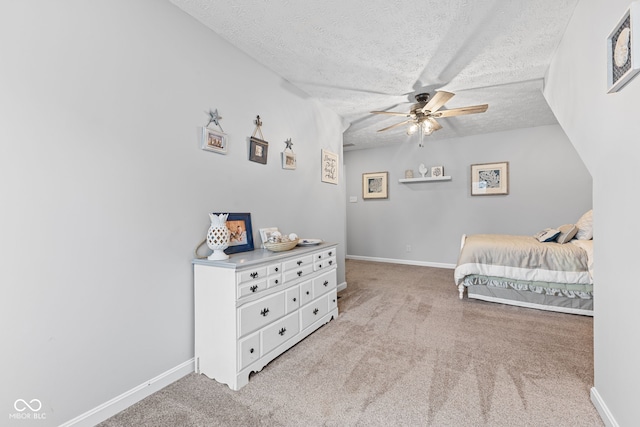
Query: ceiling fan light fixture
(412, 129)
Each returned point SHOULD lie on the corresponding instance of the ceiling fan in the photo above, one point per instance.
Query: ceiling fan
(425, 111)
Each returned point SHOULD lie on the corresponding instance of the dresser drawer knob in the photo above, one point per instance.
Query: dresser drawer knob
(330, 253)
(315, 312)
(319, 265)
(264, 312)
(326, 282)
(276, 281)
(277, 269)
(295, 299)
(282, 331)
(254, 288)
(320, 256)
(299, 273)
(251, 351)
(307, 292)
(330, 262)
(254, 275)
(299, 262)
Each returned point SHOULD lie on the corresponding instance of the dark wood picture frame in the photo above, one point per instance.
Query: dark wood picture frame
(258, 150)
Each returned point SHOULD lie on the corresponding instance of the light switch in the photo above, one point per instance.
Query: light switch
(353, 199)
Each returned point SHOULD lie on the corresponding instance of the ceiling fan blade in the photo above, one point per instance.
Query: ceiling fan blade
(462, 111)
(391, 113)
(396, 125)
(438, 100)
(434, 124)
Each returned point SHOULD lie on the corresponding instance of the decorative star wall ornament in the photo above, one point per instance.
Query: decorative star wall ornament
(215, 118)
(289, 144)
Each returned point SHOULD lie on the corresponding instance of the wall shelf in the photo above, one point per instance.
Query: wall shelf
(426, 179)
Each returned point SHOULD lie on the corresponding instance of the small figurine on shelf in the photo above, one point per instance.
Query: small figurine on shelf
(423, 170)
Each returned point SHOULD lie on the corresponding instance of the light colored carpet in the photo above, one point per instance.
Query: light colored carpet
(404, 351)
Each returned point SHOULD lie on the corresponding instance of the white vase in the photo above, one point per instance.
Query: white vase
(218, 237)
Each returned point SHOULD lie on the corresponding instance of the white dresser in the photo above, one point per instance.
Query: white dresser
(254, 306)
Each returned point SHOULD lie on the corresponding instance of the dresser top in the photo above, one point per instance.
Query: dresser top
(259, 256)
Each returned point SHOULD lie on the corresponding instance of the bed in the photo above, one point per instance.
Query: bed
(547, 271)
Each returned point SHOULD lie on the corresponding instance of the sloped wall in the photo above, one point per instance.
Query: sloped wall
(604, 128)
(105, 191)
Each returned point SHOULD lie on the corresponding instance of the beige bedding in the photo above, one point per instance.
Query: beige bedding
(523, 258)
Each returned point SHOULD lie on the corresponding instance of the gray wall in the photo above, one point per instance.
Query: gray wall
(604, 129)
(105, 191)
(548, 186)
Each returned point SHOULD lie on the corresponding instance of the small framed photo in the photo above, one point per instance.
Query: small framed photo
(329, 167)
(437, 171)
(241, 233)
(623, 49)
(214, 140)
(265, 233)
(258, 150)
(488, 179)
(288, 160)
(375, 185)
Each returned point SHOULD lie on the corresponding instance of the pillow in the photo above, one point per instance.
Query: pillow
(567, 232)
(547, 235)
(585, 226)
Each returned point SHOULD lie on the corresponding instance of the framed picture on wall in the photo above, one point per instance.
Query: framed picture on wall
(623, 49)
(329, 167)
(258, 150)
(488, 179)
(213, 140)
(375, 185)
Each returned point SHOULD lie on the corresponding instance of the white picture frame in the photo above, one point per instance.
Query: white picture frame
(214, 140)
(329, 167)
(437, 171)
(289, 160)
(266, 232)
(623, 49)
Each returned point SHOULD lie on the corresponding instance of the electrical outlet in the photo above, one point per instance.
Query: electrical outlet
(408, 248)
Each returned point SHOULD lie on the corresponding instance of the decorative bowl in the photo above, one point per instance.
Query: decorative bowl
(282, 246)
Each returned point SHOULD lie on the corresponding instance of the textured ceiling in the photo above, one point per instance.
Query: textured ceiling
(356, 56)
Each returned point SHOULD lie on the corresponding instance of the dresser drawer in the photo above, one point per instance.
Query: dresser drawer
(279, 332)
(324, 263)
(290, 275)
(274, 280)
(297, 263)
(260, 313)
(249, 350)
(306, 292)
(314, 311)
(252, 288)
(292, 299)
(274, 269)
(252, 275)
(324, 283)
(333, 299)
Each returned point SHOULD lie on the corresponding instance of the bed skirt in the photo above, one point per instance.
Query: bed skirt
(550, 298)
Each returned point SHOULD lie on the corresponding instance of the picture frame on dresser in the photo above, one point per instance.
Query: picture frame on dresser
(241, 233)
(266, 232)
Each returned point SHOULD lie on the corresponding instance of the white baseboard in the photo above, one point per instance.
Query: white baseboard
(128, 398)
(342, 286)
(603, 410)
(402, 261)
